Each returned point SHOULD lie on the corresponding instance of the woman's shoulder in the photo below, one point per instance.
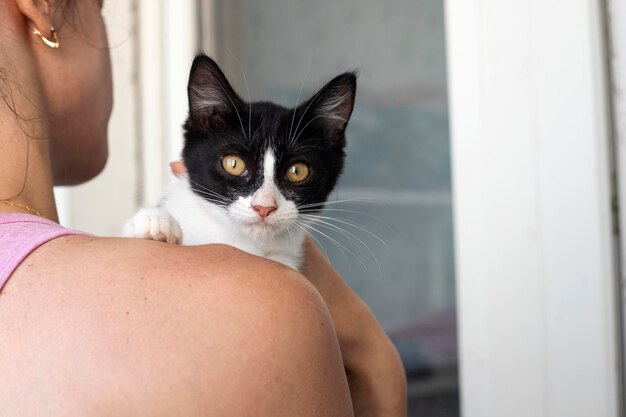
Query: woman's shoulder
(90, 262)
(83, 253)
(146, 318)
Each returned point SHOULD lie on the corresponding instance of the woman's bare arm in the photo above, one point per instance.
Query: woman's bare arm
(375, 372)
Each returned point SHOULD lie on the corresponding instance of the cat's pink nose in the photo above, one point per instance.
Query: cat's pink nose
(264, 211)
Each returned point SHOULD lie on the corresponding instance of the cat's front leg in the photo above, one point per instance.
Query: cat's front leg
(154, 224)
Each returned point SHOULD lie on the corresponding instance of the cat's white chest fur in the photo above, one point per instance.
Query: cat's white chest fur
(186, 218)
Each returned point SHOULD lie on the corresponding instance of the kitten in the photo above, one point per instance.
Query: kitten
(254, 171)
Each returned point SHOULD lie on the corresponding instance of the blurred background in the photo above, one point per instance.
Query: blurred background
(483, 166)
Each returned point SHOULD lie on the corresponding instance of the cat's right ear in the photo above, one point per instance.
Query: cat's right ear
(211, 97)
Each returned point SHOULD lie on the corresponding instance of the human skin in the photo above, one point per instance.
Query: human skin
(148, 329)
(96, 326)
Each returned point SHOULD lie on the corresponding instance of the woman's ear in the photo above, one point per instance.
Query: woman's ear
(38, 12)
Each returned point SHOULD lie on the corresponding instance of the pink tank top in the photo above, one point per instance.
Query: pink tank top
(21, 234)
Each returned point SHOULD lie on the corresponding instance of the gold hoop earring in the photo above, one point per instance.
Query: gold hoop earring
(54, 43)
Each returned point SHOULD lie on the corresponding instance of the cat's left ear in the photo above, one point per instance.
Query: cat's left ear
(332, 105)
(211, 97)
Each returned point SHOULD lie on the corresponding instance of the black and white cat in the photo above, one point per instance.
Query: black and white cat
(252, 169)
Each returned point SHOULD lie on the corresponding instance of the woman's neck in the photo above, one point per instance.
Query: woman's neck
(25, 175)
(25, 168)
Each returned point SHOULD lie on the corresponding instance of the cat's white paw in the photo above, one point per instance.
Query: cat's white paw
(153, 224)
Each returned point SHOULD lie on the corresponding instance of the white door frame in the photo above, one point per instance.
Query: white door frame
(536, 271)
(616, 17)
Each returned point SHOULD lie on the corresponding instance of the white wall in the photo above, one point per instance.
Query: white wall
(536, 277)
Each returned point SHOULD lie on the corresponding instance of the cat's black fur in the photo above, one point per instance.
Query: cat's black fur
(221, 123)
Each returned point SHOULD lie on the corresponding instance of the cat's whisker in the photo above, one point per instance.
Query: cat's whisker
(306, 74)
(245, 80)
(325, 114)
(255, 136)
(319, 245)
(342, 248)
(339, 245)
(291, 236)
(348, 200)
(194, 206)
(207, 191)
(205, 188)
(314, 119)
(211, 197)
(292, 140)
(288, 230)
(234, 107)
(307, 147)
(361, 213)
(347, 233)
(306, 210)
(212, 201)
(322, 222)
(217, 203)
(348, 223)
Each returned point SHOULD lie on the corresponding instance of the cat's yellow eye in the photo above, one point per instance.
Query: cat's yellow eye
(297, 172)
(234, 165)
